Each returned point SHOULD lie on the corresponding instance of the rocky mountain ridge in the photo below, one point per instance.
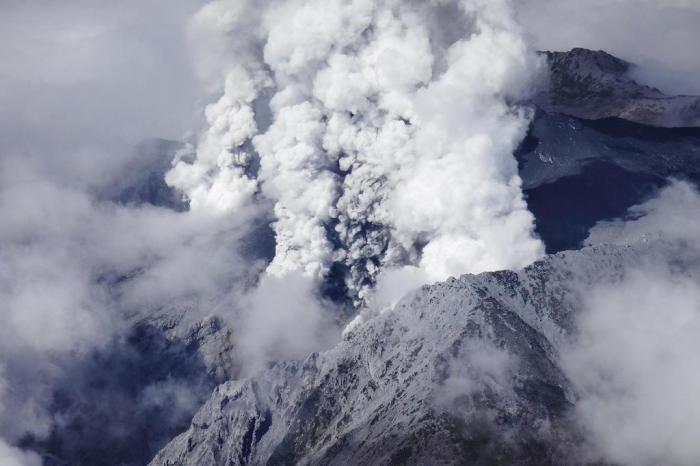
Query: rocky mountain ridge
(461, 372)
(594, 84)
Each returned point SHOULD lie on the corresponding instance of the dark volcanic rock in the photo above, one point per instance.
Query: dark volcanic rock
(594, 84)
(578, 172)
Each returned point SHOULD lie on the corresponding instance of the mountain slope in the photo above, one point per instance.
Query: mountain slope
(462, 372)
(577, 172)
(594, 84)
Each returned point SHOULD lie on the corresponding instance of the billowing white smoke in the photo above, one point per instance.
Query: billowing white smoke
(11, 456)
(382, 132)
(673, 215)
(634, 361)
(634, 365)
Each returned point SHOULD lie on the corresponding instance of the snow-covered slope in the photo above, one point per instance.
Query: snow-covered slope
(462, 372)
(594, 84)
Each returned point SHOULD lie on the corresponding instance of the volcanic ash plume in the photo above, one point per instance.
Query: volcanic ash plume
(382, 132)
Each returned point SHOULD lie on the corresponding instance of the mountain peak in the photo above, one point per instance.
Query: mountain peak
(593, 85)
(583, 60)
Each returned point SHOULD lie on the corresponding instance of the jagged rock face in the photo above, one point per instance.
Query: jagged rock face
(463, 372)
(210, 338)
(594, 84)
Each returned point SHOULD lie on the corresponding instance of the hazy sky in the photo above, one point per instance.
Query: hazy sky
(659, 35)
(82, 81)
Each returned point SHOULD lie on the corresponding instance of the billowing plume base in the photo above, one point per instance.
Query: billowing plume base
(381, 133)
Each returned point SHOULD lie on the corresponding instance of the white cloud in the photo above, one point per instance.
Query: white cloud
(479, 366)
(83, 81)
(283, 319)
(333, 116)
(377, 134)
(11, 456)
(379, 122)
(633, 360)
(672, 215)
(634, 364)
(72, 268)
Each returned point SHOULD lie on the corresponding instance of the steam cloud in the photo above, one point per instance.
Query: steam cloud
(337, 119)
(73, 268)
(11, 456)
(80, 88)
(376, 134)
(634, 360)
(381, 131)
(634, 364)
